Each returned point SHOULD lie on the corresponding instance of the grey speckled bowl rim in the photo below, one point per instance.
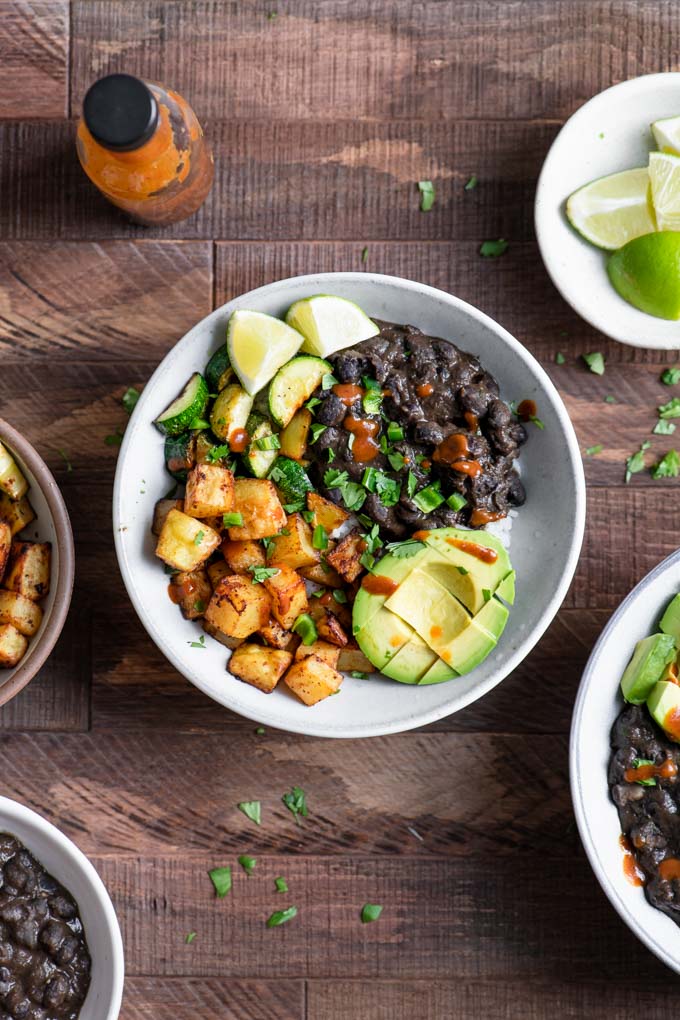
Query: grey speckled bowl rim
(64, 582)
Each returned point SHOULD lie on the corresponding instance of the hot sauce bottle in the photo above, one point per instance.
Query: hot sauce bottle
(143, 147)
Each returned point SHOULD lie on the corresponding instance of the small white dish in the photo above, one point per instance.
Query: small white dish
(598, 704)
(610, 132)
(69, 865)
(546, 534)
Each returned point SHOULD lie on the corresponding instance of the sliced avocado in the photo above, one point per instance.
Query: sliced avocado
(506, 589)
(382, 636)
(433, 612)
(473, 645)
(487, 575)
(670, 621)
(664, 707)
(411, 662)
(650, 657)
(671, 672)
(366, 604)
(437, 674)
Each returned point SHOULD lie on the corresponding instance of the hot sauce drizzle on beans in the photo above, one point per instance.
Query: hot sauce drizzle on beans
(425, 389)
(527, 410)
(667, 770)
(347, 393)
(364, 447)
(454, 451)
(478, 517)
(631, 868)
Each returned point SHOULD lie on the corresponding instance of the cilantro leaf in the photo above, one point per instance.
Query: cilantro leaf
(370, 912)
(560, 358)
(636, 462)
(197, 644)
(668, 466)
(664, 428)
(317, 430)
(281, 884)
(334, 479)
(671, 409)
(216, 453)
(198, 537)
(670, 376)
(252, 810)
(426, 189)
(403, 549)
(221, 879)
(261, 574)
(595, 362)
(130, 398)
(471, 183)
(64, 456)
(281, 916)
(247, 863)
(296, 803)
(190, 937)
(364, 253)
(493, 249)
(592, 451)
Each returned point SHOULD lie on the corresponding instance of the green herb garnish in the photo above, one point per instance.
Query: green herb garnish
(664, 428)
(281, 916)
(232, 520)
(115, 440)
(197, 644)
(429, 498)
(364, 253)
(328, 380)
(671, 409)
(370, 912)
(197, 424)
(190, 937)
(261, 574)
(463, 571)
(403, 549)
(372, 398)
(260, 731)
(492, 249)
(426, 189)
(636, 462)
(668, 466)
(252, 810)
(340, 596)
(247, 863)
(456, 501)
(595, 362)
(372, 539)
(670, 376)
(221, 879)
(396, 460)
(637, 763)
(320, 537)
(296, 803)
(472, 183)
(305, 628)
(281, 884)
(67, 462)
(198, 538)
(486, 594)
(592, 451)
(216, 453)
(609, 399)
(560, 358)
(130, 398)
(317, 430)
(411, 484)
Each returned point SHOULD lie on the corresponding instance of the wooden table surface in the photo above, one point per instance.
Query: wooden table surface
(323, 115)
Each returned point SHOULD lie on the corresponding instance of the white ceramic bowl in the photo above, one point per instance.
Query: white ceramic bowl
(62, 859)
(546, 536)
(622, 115)
(598, 703)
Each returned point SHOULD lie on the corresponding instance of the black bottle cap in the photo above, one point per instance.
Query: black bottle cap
(121, 112)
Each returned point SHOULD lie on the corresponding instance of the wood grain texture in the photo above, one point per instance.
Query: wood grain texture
(148, 998)
(34, 37)
(396, 60)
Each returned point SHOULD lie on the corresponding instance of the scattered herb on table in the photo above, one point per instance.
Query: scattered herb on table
(296, 802)
(190, 937)
(281, 916)
(592, 451)
(636, 462)
(471, 183)
(247, 863)
(595, 362)
(251, 809)
(492, 249)
(609, 399)
(64, 456)
(114, 440)
(197, 644)
(221, 879)
(272, 15)
(130, 398)
(671, 409)
(670, 376)
(261, 574)
(426, 189)
(664, 428)
(260, 731)
(668, 466)
(364, 253)
(281, 884)
(560, 358)
(370, 912)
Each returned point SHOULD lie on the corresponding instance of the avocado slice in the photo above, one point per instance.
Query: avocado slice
(670, 621)
(382, 636)
(437, 674)
(470, 647)
(433, 612)
(506, 589)
(650, 657)
(366, 604)
(664, 707)
(411, 662)
(487, 576)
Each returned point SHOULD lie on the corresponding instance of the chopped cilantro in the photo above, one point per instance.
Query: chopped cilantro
(317, 430)
(260, 731)
(388, 489)
(221, 879)
(199, 606)
(281, 884)
(312, 403)
(411, 484)
(637, 763)
(609, 399)
(261, 574)
(115, 440)
(296, 803)
(426, 189)
(560, 358)
(372, 539)
(668, 466)
(372, 398)
(396, 459)
(472, 183)
(463, 571)
(232, 520)
(328, 380)
(281, 916)
(367, 560)
(492, 249)
(190, 937)
(292, 508)
(595, 362)
(352, 493)
(252, 810)
(198, 538)
(664, 428)
(358, 675)
(636, 461)
(671, 409)
(670, 376)
(330, 454)
(199, 423)
(334, 479)
(403, 549)
(197, 644)
(592, 451)
(247, 863)
(364, 253)
(67, 462)
(308, 515)
(130, 398)
(218, 453)
(370, 912)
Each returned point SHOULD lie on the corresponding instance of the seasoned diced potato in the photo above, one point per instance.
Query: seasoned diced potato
(327, 601)
(294, 546)
(184, 542)
(288, 595)
(5, 546)
(18, 514)
(312, 679)
(161, 511)
(257, 501)
(326, 512)
(224, 639)
(209, 491)
(294, 436)
(28, 570)
(322, 649)
(23, 614)
(238, 607)
(11, 479)
(276, 636)
(261, 667)
(191, 591)
(353, 659)
(321, 573)
(346, 556)
(329, 628)
(218, 570)
(241, 556)
(13, 646)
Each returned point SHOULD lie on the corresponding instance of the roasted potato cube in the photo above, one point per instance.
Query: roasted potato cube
(209, 491)
(312, 679)
(241, 556)
(276, 636)
(184, 542)
(294, 436)
(328, 601)
(238, 607)
(329, 628)
(28, 570)
(288, 595)
(23, 614)
(322, 649)
(18, 513)
(353, 659)
(5, 546)
(294, 546)
(218, 570)
(13, 646)
(256, 499)
(258, 666)
(321, 573)
(191, 591)
(326, 512)
(346, 556)
(161, 511)
(11, 479)
(224, 639)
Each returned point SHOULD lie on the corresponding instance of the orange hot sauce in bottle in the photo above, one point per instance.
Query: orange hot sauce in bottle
(143, 147)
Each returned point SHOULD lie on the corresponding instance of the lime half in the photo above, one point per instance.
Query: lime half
(258, 346)
(667, 135)
(329, 324)
(664, 175)
(646, 273)
(612, 210)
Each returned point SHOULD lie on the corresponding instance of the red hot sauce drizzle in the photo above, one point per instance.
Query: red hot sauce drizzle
(527, 410)
(378, 584)
(425, 389)
(482, 552)
(364, 447)
(667, 770)
(631, 869)
(348, 393)
(479, 517)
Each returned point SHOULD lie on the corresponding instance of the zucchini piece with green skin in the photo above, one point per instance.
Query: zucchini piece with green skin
(230, 411)
(218, 371)
(180, 455)
(293, 384)
(187, 407)
(292, 482)
(259, 462)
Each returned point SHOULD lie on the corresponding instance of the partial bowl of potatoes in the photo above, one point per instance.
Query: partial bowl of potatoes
(36, 562)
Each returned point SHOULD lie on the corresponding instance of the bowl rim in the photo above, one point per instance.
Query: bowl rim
(576, 781)
(13, 809)
(543, 213)
(321, 281)
(26, 671)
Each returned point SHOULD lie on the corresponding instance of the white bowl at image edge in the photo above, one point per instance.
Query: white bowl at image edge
(546, 534)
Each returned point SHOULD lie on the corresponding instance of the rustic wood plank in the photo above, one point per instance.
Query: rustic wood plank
(181, 796)
(34, 45)
(122, 300)
(344, 59)
(185, 998)
(499, 917)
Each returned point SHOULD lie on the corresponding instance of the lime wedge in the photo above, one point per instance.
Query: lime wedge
(258, 346)
(664, 175)
(667, 135)
(612, 210)
(329, 324)
(646, 273)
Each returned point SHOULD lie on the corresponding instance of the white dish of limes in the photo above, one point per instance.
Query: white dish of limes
(608, 179)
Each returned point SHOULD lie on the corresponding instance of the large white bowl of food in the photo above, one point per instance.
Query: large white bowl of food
(353, 485)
